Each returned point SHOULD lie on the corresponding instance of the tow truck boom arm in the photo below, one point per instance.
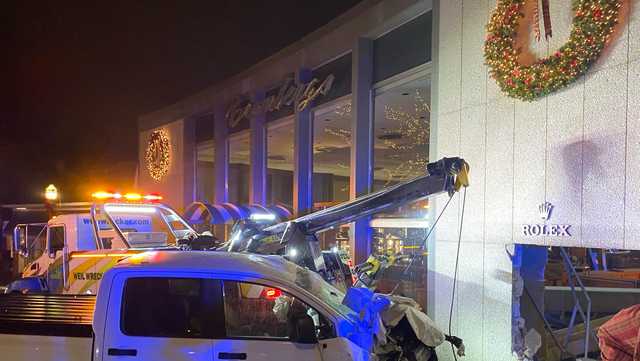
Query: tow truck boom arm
(445, 175)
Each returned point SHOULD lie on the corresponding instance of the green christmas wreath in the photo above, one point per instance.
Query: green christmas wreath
(593, 24)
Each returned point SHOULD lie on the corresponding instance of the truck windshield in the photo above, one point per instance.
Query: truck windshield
(36, 244)
(148, 225)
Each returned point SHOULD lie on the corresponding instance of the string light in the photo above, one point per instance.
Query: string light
(158, 154)
(414, 126)
(593, 24)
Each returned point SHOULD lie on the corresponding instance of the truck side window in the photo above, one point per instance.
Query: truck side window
(56, 238)
(172, 307)
(256, 311)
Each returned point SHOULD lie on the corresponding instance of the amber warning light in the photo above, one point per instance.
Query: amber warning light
(133, 197)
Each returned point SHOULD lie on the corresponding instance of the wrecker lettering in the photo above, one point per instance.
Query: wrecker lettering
(90, 276)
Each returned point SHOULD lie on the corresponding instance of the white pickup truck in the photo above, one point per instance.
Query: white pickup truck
(176, 305)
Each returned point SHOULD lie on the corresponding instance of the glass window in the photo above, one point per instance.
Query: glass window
(331, 154)
(205, 172)
(56, 238)
(340, 68)
(204, 128)
(401, 147)
(404, 238)
(401, 152)
(36, 242)
(253, 310)
(331, 165)
(239, 172)
(402, 48)
(171, 307)
(280, 137)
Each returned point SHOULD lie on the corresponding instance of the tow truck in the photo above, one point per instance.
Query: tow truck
(324, 324)
(70, 253)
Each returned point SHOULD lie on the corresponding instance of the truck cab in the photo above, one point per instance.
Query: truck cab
(221, 306)
(71, 252)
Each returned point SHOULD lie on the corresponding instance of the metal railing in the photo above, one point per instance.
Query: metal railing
(577, 289)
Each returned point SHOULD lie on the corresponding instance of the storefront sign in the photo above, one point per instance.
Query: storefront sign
(558, 230)
(289, 93)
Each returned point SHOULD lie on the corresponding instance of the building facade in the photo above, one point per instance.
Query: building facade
(367, 100)
(343, 112)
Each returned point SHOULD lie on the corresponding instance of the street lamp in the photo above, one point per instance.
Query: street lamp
(51, 196)
(51, 193)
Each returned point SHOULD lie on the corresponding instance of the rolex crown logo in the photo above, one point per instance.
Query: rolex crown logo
(545, 210)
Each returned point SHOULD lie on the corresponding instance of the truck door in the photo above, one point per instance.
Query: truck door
(264, 323)
(156, 318)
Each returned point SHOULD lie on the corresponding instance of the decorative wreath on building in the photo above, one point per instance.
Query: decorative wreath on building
(158, 154)
(593, 24)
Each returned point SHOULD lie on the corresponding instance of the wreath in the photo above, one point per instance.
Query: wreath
(158, 154)
(593, 24)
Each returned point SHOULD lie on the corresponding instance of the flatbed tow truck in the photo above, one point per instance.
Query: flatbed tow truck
(177, 306)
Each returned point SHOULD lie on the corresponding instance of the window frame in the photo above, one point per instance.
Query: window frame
(282, 122)
(217, 322)
(284, 290)
(64, 237)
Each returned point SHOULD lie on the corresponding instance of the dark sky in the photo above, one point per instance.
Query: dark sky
(75, 76)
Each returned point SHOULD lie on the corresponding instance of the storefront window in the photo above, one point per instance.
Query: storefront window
(280, 163)
(205, 172)
(331, 165)
(401, 149)
(331, 154)
(401, 152)
(239, 172)
(404, 238)
(403, 48)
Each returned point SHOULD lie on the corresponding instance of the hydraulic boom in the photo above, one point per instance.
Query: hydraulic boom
(298, 236)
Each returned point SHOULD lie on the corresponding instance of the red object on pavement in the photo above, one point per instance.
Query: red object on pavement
(620, 336)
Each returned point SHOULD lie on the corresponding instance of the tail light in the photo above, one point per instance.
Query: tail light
(271, 293)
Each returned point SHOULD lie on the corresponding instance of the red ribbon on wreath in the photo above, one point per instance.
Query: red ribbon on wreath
(546, 17)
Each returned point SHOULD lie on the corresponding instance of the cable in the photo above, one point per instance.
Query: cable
(455, 272)
(426, 238)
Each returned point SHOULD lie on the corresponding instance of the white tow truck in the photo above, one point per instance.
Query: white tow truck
(193, 306)
(70, 253)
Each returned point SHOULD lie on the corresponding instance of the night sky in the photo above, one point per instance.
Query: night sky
(77, 74)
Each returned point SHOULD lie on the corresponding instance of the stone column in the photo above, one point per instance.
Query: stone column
(258, 155)
(303, 154)
(361, 142)
(221, 156)
(189, 160)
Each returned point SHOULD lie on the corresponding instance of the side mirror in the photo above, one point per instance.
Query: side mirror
(303, 330)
